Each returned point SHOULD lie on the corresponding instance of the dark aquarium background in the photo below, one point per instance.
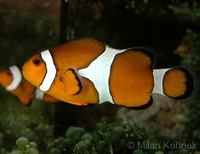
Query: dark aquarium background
(170, 27)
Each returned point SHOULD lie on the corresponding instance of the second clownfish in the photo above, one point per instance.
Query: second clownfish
(14, 82)
(86, 71)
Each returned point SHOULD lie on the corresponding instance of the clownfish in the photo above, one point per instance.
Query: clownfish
(87, 71)
(13, 81)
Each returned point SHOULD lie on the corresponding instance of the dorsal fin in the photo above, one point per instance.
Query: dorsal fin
(89, 42)
(143, 54)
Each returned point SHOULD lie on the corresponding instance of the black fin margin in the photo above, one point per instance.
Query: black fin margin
(189, 83)
(147, 51)
(145, 106)
(29, 103)
(79, 82)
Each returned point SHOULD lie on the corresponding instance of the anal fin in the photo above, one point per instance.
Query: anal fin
(142, 107)
(78, 103)
(24, 100)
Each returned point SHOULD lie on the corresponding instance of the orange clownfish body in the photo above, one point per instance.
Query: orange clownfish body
(14, 82)
(86, 71)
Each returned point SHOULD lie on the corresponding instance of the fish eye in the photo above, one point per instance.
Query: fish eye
(36, 62)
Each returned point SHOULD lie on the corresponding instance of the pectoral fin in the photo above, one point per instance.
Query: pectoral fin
(71, 81)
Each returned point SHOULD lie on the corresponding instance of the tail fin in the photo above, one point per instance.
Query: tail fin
(176, 83)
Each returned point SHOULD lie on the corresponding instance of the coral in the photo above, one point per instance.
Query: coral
(25, 146)
(108, 138)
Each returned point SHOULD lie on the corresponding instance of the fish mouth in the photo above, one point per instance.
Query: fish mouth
(22, 68)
